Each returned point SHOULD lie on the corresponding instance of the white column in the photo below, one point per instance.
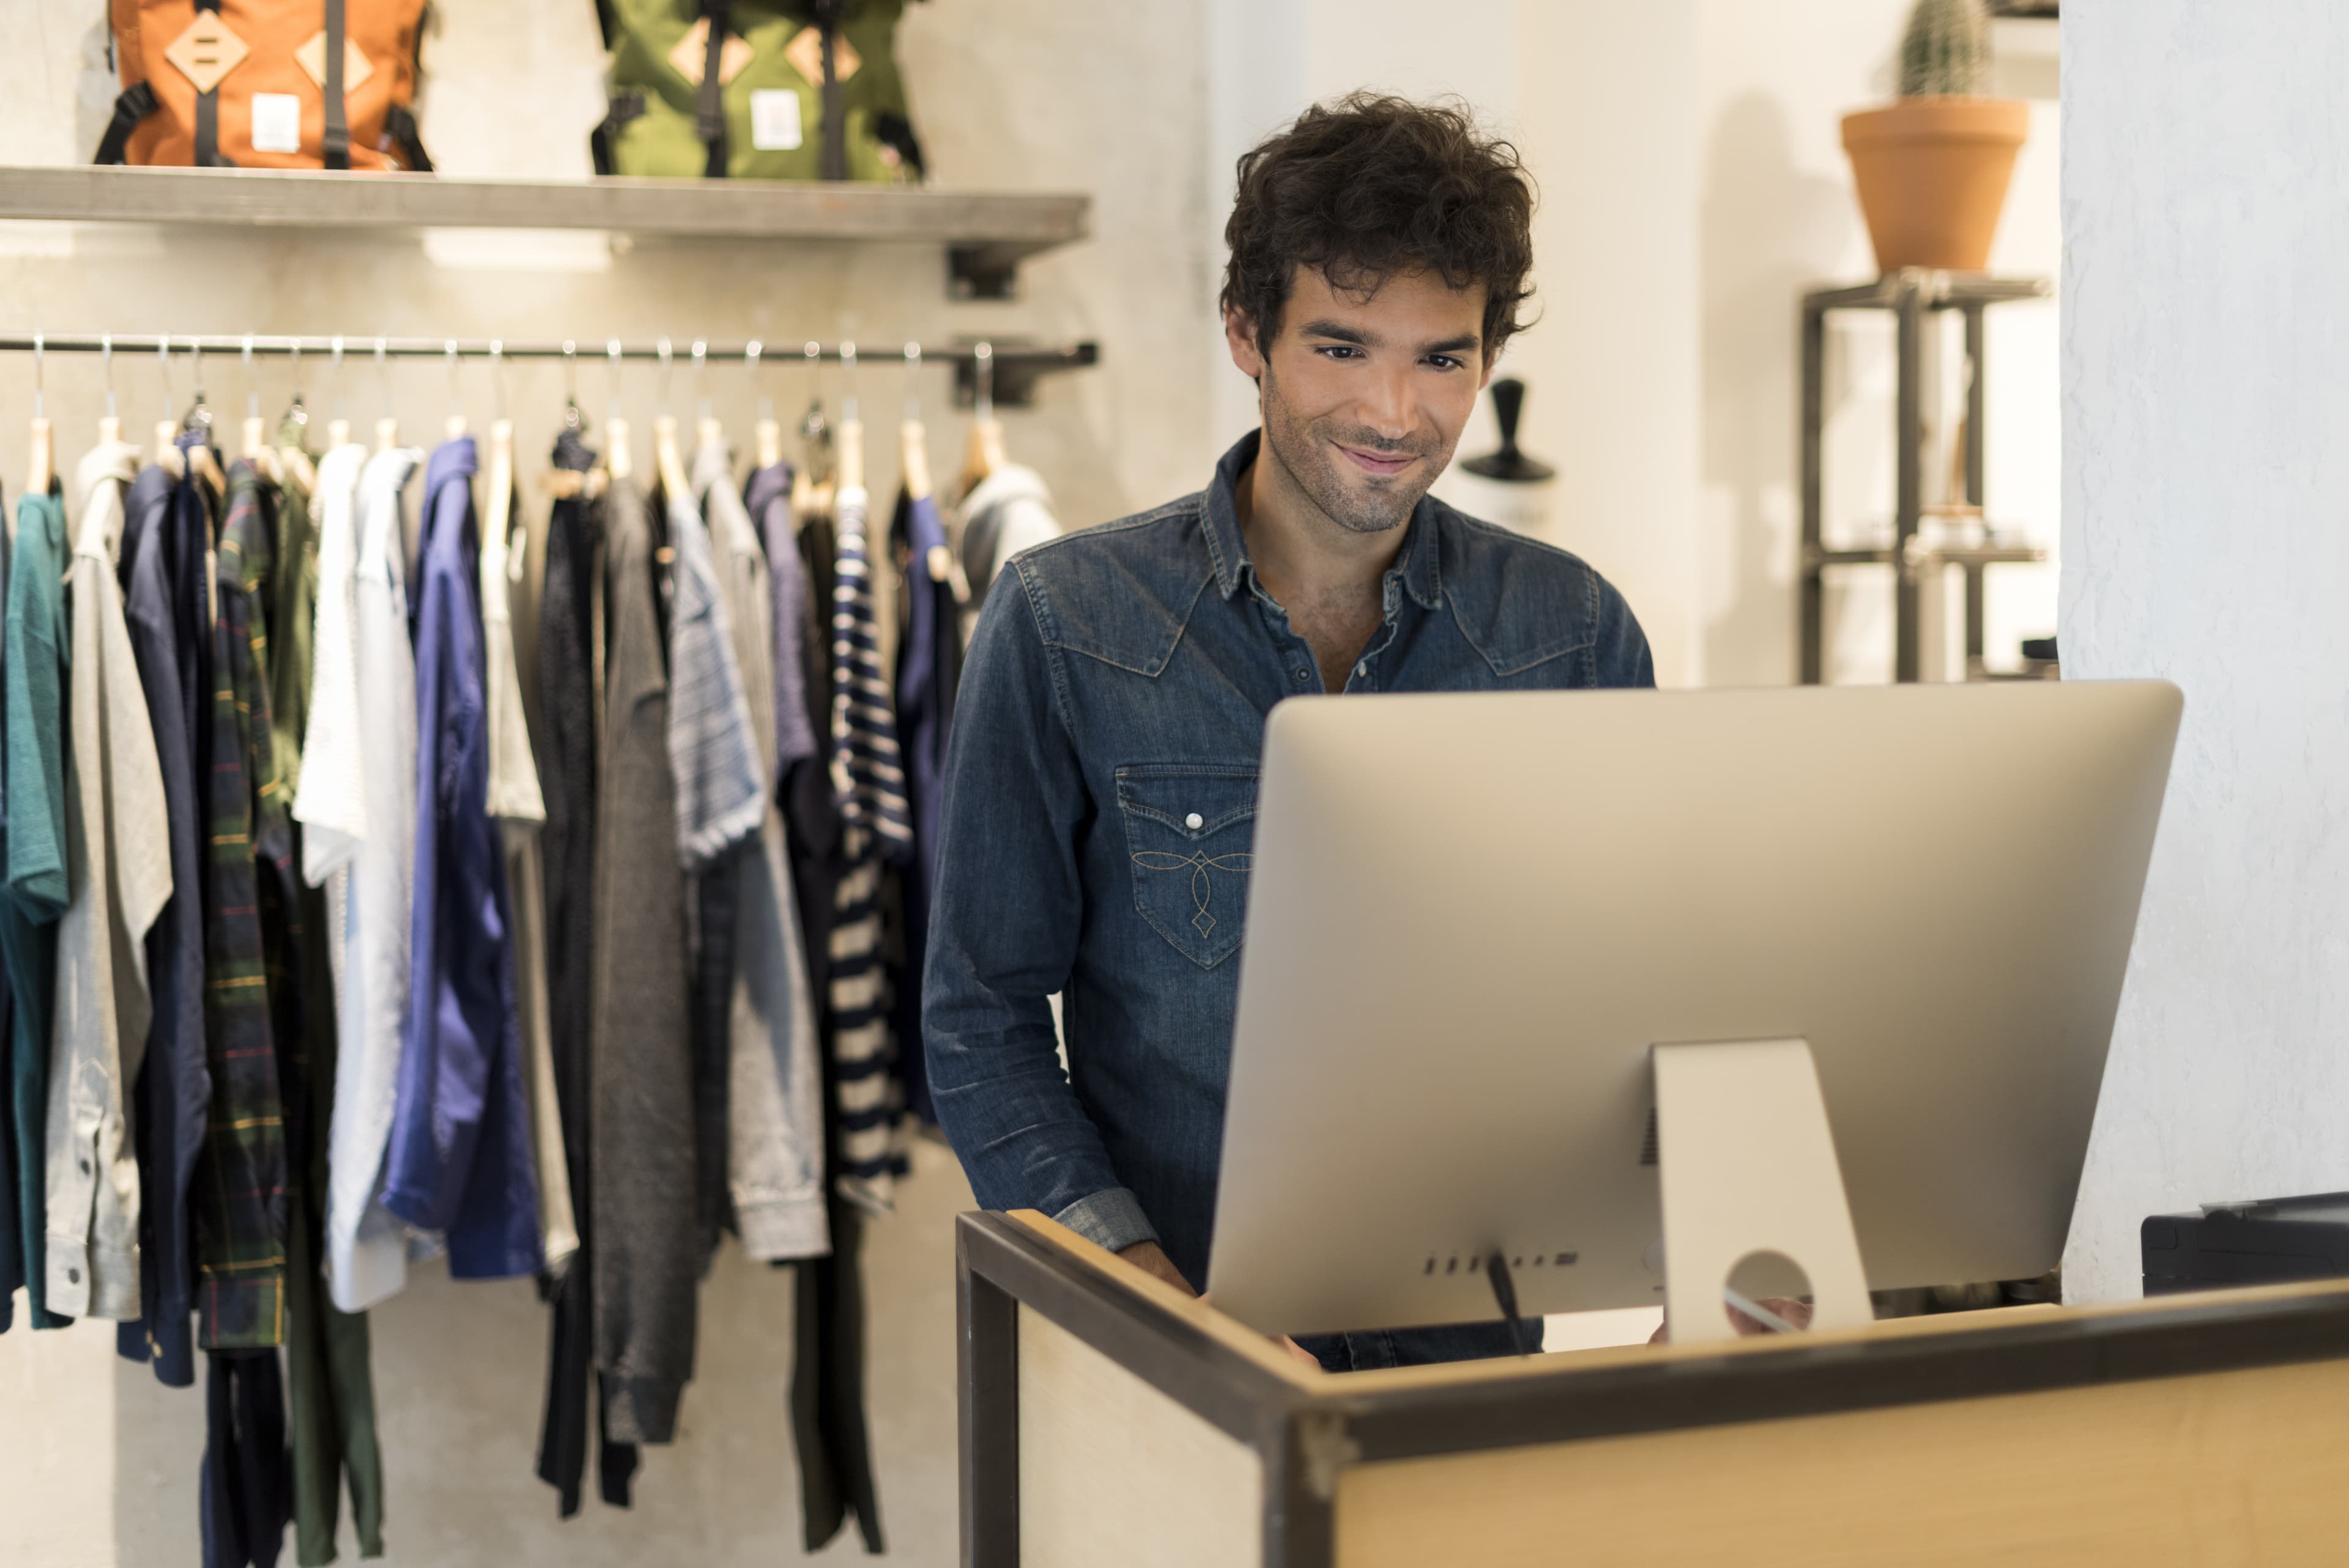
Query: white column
(2206, 539)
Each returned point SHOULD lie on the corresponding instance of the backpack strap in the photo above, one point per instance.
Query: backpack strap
(626, 105)
(834, 154)
(335, 148)
(208, 153)
(709, 106)
(135, 103)
(399, 133)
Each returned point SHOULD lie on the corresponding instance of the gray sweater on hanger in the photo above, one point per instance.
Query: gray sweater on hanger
(641, 1136)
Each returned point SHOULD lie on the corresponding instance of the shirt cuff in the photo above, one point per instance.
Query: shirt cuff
(1112, 1219)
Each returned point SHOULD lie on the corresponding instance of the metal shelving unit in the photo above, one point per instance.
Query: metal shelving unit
(986, 235)
(1912, 296)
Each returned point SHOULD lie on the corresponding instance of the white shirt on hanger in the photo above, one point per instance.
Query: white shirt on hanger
(119, 871)
(358, 805)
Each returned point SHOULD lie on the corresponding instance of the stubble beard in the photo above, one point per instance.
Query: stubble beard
(1361, 506)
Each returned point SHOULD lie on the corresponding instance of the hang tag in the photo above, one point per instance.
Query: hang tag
(805, 52)
(692, 52)
(276, 122)
(207, 51)
(312, 58)
(775, 119)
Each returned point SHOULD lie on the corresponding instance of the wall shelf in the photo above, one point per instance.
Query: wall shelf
(985, 234)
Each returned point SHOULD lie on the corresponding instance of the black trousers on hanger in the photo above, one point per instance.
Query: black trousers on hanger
(828, 1390)
(244, 1499)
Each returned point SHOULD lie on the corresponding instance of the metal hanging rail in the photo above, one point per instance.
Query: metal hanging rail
(1014, 367)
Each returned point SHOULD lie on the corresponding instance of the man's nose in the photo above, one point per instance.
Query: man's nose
(1387, 407)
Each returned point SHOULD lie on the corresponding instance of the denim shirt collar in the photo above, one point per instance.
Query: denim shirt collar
(1419, 565)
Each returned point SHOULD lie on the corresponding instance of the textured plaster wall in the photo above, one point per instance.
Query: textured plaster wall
(2204, 333)
(97, 1465)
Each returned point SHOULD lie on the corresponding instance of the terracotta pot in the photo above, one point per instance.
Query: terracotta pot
(1932, 175)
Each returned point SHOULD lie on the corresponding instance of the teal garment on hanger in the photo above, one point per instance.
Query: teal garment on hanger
(35, 654)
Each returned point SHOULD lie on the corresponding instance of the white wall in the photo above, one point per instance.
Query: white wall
(1610, 130)
(2204, 543)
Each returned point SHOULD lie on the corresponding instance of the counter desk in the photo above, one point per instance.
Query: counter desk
(1106, 1418)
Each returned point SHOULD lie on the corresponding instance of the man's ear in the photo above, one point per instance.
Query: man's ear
(1239, 335)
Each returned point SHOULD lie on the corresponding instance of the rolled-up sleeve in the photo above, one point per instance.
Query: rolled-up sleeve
(1009, 903)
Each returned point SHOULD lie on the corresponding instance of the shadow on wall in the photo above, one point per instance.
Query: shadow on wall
(1768, 230)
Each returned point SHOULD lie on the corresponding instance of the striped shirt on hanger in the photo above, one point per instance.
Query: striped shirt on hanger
(868, 778)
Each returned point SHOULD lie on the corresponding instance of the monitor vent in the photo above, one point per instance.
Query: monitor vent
(1648, 1140)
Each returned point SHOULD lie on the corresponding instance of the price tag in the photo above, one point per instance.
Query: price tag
(775, 119)
(276, 122)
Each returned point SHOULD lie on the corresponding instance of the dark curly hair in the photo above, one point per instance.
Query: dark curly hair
(1371, 185)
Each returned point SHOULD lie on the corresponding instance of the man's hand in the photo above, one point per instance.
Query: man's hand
(1152, 1260)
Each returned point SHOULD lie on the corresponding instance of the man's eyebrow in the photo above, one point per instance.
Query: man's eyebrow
(1341, 332)
(1460, 344)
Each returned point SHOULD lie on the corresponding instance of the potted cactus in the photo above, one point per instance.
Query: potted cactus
(1933, 169)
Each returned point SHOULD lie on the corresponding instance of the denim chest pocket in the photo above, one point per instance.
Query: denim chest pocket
(1189, 830)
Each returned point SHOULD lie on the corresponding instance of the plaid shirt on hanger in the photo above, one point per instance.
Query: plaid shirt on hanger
(240, 1197)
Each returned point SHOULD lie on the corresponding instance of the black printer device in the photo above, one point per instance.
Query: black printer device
(2270, 1242)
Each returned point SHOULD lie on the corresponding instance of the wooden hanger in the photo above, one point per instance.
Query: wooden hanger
(258, 451)
(914, 458)
(709, 433)
(386, 434)
(849, 456)
(667, 460)
(497, 522)
(769, 437)
(41, 471)
(293, 432)
(619, 460)
(983, 453)
(296, 461)
(938, 561)
(167, 449)
(338, 434)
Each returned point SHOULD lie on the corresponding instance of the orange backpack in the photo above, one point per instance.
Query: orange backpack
(260, 84)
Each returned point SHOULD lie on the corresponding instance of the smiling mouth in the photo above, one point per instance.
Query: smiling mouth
(1379, 465)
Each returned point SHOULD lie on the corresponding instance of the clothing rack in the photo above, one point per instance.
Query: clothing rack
(1011, 369)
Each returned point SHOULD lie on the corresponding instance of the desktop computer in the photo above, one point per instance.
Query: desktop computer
(1597, 995)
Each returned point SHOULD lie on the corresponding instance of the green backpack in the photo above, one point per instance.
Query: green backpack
(756, 89)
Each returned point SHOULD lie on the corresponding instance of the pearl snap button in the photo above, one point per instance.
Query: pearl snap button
(1194, 822)
(1362, 669)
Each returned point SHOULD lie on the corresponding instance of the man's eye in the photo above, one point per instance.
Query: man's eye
(1444, 361)
(1336, 350)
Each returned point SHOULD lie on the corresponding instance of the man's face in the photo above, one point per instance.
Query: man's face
(1364, 399)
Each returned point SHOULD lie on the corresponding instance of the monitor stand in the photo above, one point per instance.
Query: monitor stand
(1749, 1165)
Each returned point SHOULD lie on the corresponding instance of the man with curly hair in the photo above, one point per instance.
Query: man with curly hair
(1100, 801)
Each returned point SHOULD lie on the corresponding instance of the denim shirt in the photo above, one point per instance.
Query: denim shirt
(1099, 818)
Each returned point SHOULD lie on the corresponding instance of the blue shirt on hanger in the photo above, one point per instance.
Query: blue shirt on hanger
(459, 1159)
